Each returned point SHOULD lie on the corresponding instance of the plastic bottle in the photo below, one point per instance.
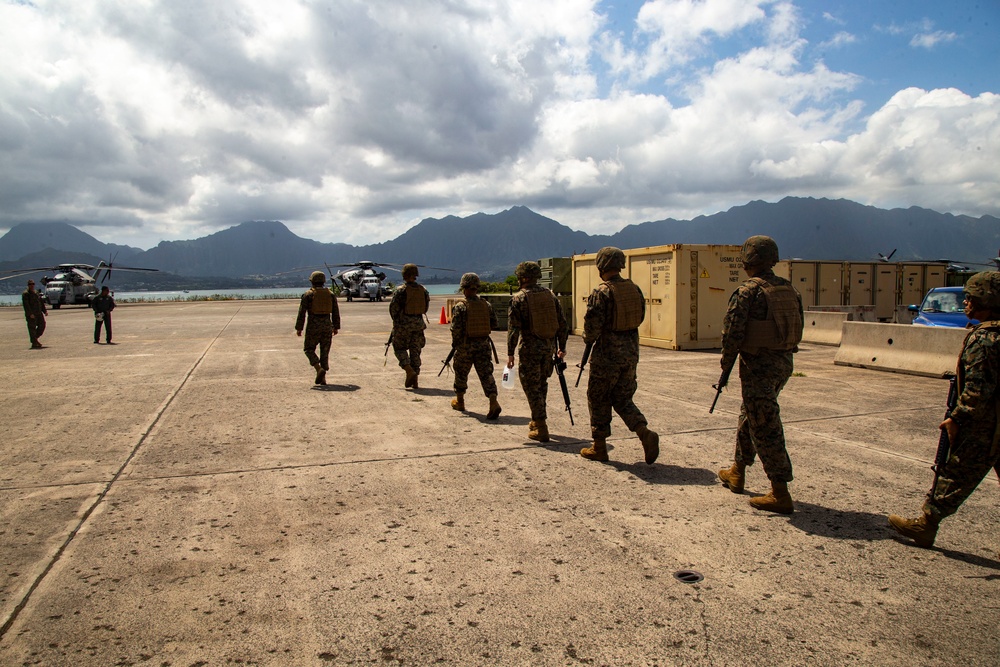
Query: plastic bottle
(509, 377)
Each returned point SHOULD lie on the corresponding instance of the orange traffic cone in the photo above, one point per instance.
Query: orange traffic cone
(444, 316)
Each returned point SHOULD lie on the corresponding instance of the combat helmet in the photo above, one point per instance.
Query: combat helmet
(469, 281)
(529, 271)
(317, 277)
(410, 270)
(984, 287)
(759, 252)
(610, 258)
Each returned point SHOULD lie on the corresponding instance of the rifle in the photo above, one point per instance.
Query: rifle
(560, 367)
(583, 361)
(493, 347)
(387, 344)
(446, 362)
(723, 381)
(944, 445)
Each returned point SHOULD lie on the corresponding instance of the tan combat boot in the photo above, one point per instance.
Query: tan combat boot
(777, 500)
(458, 403)
(538, 430)
(596, 452)
(494, 412)
(411, 376)
(650, 443)
(921, 530)
(320, 373)
(734, 477)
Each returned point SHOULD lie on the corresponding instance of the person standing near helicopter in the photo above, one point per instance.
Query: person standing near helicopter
(103, 304)
(407, 309)
(320, 304)
(34, 314)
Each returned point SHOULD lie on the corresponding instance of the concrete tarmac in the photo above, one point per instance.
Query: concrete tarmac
(189, 497)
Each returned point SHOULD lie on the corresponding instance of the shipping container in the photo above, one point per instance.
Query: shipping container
(686, 287)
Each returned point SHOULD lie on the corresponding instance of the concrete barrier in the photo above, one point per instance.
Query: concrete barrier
(823, 328)
(901, 348)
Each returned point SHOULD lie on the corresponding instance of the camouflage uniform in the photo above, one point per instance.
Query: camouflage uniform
(534, 365)
(408, 330)
(976, 450)
(974, 422)
(34, 315)
(613, 360)
(763, 375)
(320, 328)
(471, 352)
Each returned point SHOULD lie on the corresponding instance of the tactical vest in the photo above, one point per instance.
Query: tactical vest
(542, 319)
(416, 302)
(628, 301)
(782, 330)
(477, 318)
(322, 301)
(960, 376)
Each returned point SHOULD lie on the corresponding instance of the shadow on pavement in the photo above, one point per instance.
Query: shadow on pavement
(336, 387)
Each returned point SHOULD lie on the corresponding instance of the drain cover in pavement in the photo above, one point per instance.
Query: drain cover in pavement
(688, 576)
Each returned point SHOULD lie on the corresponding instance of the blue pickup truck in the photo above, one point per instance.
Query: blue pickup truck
(942, 307)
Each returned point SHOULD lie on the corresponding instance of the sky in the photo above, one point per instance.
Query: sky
(350, 121)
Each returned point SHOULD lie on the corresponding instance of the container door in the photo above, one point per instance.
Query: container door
(803, 279)
(862, 284)
(911, 287)
(585, 278)
(885, 291)
(639, 270)
(830, 284)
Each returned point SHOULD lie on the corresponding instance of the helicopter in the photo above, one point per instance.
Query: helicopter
(361, 280)
(72, 284)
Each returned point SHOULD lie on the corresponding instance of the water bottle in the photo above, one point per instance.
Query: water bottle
(509, 377)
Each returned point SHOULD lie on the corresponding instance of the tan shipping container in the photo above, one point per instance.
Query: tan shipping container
(830, 284)
(686, 286)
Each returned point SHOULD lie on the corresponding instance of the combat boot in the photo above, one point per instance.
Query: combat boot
(320, 373)
(921, 530)
(494, 412)
(650, 443)
(596, 452)
(538, 430)
(411, 376)
(777, 500)
(734, 477)
(458, 403)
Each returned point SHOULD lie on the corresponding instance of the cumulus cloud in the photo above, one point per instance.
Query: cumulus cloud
(351, 121)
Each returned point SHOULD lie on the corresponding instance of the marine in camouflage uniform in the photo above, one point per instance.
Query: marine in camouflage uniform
(407, 308)
(34, 314)
(320, 304)
(973, 429)
(536, 320)
(472, 320)
(615, 309)
(763, 328)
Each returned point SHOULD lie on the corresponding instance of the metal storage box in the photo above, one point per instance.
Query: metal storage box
(686, 286)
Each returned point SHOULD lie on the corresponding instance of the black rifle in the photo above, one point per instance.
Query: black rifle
(583, 361)
(944, 444)
(560, 367)
(493, 347)
(723, 381)
(446, 362)
(387, 344)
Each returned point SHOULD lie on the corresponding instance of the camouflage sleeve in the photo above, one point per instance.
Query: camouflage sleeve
(335, 316)
(494, 322)
(427, 299)
(458, 318)
(562, 336)
(594, 318)
(734, 325)
(24, 303)
(304, 303)
(397, 304)
(514, 322)
(980, 362)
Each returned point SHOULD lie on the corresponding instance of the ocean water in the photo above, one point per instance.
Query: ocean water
(202, 294)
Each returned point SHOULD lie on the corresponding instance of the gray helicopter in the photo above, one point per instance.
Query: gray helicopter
(72, 284)
(362, 280)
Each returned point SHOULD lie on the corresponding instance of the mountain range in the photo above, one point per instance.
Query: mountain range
(493, 244)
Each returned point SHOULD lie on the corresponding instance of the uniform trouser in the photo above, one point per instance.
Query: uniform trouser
(967, 465)
(318, 333)
(476, 353)
(36, 328)
(407, 347)
(107, 328)
(612, 386)
(759, 431)
(534, 368)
